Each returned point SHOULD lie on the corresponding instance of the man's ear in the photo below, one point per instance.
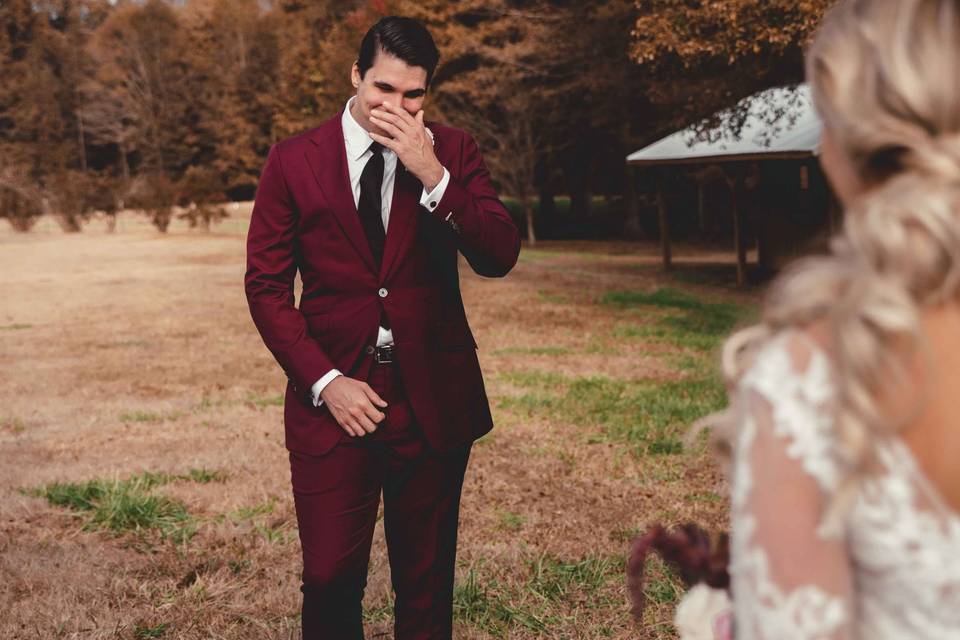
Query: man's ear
(355, 75)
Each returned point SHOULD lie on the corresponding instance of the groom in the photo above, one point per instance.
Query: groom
(373, 209)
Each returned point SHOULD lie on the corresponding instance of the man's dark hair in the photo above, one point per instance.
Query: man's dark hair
(403, 38)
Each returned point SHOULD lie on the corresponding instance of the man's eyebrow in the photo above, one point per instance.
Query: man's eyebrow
(386, 86)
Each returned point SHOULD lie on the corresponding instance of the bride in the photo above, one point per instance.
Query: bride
(842, 433)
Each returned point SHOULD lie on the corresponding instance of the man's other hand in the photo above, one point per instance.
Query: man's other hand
(354, 405)
(410, 141)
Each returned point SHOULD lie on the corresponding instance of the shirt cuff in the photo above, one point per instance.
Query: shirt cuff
(321, 384)
(429, 201)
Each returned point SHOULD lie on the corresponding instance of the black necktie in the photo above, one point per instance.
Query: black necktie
(370, 208)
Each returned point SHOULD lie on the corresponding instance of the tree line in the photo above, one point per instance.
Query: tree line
(152, 105)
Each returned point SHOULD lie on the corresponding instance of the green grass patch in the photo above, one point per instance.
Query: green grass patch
(680, 319)
(627, 534)
(208, 404)
(12, 424)
(703, 496)
(530, 404)
(149, 417)
(664, 335)
(120, 505)
(558, 580)
(130, 505)
(266, 401)
(238, 566)
(252, 517)
(532, 351)
(272, 535)
(536, 255)
(664, 297)
(206, 476)
(553, 593)
(155, 631)
(17, 326)
(539, 255)
(689, 363)
(248, 513)
(141, 416)
(534, 379)
(554, 298)
(380, 612)
(651, 416)
(661, 584)
(490, 607)
(509, 521)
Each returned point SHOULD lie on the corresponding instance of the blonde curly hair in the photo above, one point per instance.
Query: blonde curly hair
(886, 82)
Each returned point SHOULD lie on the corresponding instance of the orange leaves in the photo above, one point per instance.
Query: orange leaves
(696, 32)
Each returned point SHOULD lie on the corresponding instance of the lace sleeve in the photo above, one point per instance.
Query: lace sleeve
(791, 579)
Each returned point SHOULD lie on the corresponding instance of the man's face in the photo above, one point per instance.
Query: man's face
(392, 80)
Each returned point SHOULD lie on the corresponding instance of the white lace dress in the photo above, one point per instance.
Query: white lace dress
(891, 570)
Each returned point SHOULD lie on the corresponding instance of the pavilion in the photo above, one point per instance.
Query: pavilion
(775, 130)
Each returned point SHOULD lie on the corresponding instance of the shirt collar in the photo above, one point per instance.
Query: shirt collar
(355, 137)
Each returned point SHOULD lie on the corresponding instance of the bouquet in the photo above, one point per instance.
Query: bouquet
(705, 612)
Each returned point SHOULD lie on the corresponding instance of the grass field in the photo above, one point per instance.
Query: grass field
(144, 487)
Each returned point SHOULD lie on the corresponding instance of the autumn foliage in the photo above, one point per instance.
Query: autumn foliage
(701, 32)
(105, 105)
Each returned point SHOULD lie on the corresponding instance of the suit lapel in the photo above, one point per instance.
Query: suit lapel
(403, 211)
(327, 157)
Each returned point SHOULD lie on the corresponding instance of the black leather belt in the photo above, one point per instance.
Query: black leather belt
(381, 355)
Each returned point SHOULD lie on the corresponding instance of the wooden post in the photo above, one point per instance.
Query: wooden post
(738, 242)
(527, 205)
(631, 204)
(664, 223)
(833, 211)
(734, 181)
(701, 206)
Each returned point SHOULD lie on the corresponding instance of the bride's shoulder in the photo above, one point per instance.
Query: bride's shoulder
(788, 396)
(791, 357)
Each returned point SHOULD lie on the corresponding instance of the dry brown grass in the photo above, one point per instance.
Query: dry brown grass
(135, 352)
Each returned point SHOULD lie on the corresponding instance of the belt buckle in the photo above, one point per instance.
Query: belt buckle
(384, 355)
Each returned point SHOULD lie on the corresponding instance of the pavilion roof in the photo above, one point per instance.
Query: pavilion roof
(778, 123)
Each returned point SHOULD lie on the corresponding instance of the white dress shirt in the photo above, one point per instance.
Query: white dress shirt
(357, 142)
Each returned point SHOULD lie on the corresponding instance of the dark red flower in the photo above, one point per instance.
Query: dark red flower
(689, 550)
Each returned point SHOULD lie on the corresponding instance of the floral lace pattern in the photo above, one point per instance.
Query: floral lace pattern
(892, 570)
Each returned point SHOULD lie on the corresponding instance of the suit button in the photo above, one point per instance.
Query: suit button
(382, 293)
(433, 204)
(369, 349)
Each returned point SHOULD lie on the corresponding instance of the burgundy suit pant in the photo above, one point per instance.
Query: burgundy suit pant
(337, 497)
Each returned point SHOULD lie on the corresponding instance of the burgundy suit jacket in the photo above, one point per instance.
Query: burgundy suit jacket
(304, 218)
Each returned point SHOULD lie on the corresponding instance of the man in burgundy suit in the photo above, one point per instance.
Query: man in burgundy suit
(385, 392)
